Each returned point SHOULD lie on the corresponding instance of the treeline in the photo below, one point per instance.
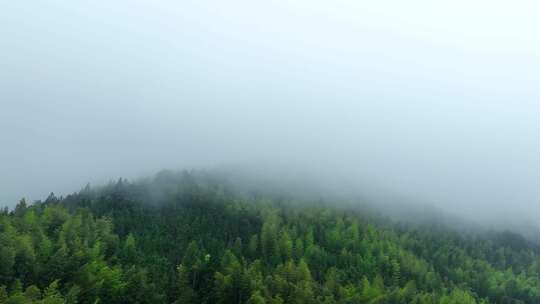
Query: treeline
(189, 238)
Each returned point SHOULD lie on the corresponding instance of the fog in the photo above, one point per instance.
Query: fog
(437, 102)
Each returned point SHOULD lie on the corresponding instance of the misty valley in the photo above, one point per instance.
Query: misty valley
(195, 237)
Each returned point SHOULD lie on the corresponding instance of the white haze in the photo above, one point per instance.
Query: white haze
(437, 101)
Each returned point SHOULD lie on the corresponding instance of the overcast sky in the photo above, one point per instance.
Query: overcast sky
(437, 100)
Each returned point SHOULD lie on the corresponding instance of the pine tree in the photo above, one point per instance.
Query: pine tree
(256, 298)
(285, 246)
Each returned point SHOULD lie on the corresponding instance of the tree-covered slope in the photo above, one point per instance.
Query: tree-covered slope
(190, 238)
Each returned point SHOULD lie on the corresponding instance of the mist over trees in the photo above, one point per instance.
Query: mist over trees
(438, 102)
(344, 152)
(190, 237)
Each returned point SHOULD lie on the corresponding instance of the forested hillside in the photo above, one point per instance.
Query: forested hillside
(188, 237)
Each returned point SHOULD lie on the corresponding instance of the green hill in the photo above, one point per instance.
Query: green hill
(190, 237)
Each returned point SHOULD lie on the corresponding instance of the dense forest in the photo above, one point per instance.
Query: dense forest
(190, 237)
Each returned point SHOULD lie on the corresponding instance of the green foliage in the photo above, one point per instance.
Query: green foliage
(187, 238)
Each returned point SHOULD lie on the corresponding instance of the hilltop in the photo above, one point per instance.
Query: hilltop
(193, 237)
